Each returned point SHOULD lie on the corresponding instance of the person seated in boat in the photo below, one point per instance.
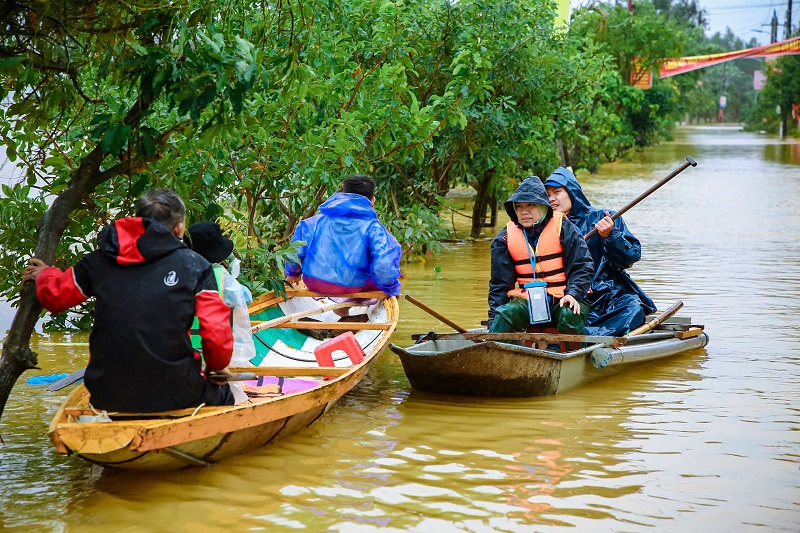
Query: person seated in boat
(536, 235)
(208, 240)
(618, 304)
(147, 285)
(347, 249)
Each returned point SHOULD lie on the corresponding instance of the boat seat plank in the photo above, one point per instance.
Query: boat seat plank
(689, 333)
(278, 371)
(333, 325)
(271, 299)
(535, 337)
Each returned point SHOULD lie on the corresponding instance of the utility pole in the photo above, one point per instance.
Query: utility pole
(723, 99)
(773, 34)
(789, 20)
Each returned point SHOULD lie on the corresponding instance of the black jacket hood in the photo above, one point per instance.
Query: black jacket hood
(531, 190)
(136, 240)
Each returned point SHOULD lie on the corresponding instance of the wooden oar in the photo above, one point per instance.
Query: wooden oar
(67, 381)
(644, 328)
(288, 371)
(288, 318)
(505, 337)
(435, 314)
(689, 162)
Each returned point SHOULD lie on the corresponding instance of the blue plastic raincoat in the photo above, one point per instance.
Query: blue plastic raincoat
(347, 249)
(618, 304)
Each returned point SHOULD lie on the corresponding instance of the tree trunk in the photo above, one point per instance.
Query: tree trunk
(17, 355)
(493, 218)
(481, 202)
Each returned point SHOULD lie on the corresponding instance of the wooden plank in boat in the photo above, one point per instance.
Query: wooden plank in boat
(544, 337)
(333, 325)
(260, 305)
(689, 333)
(177, 413)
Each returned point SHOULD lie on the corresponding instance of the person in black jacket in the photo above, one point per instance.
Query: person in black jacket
(147, 287)
(538, 245)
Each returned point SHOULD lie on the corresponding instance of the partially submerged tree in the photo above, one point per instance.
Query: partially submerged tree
(251, 111)
(508, 73)
(95, 91)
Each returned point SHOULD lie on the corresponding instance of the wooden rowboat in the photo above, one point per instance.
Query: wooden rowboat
(478, 363)
(298, 391)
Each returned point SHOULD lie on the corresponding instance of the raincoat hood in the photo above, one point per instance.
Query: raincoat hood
(531, 190)
(136, 240)
(580, 204)
(348, 204)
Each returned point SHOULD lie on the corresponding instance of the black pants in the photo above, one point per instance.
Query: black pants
(216, 395)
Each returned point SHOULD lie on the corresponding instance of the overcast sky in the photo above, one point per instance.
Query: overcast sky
(746, 18)
(749, 18)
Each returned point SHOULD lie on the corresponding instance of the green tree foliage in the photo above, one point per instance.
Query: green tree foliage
(252, 118)
(639, 42)
(782, 90)
(503, 77)
(250, 111)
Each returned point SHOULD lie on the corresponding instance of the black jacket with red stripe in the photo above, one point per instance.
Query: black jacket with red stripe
(147, 287)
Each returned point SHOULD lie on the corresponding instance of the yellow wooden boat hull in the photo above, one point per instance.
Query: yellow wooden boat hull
(198, 437)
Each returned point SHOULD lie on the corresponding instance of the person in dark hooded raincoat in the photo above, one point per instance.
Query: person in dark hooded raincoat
(618, 304)
(561, 258)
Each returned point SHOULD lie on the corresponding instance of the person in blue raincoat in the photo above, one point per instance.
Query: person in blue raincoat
(618, 304)
(347, 249)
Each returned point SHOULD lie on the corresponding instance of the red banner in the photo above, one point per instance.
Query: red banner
(672, 67)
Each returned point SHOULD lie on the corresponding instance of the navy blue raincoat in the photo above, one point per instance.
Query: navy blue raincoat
(618, 304)
(577, 261)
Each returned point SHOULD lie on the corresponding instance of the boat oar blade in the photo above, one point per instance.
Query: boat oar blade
(67, 381)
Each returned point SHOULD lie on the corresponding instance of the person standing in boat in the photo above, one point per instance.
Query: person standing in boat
(541, 239)
(147, 287)
(208, 240)
(618, 304)
(346, 247)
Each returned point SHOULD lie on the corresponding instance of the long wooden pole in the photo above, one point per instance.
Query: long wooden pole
(644, 328)
(435, 314)
(689, 163)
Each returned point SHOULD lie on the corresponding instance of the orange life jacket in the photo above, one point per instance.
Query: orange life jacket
(549, 261)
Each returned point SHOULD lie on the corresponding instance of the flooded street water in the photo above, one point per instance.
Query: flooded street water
(706, 441)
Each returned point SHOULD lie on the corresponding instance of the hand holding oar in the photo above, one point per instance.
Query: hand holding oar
(435, 314)
(689, 162)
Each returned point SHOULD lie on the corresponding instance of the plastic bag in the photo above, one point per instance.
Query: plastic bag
(46, 380)
(237, 297)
